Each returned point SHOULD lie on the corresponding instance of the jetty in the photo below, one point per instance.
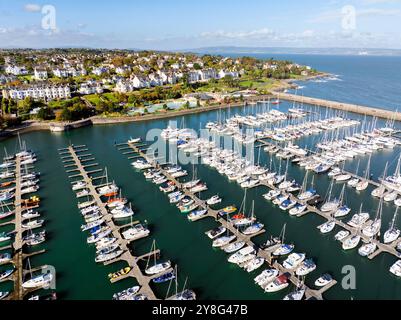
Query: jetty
(363, 110)
(215, 214)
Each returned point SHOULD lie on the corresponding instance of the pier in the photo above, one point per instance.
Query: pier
(363, 110)
(128, 257)
(214, 214)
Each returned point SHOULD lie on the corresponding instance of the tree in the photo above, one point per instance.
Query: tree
(45, 114)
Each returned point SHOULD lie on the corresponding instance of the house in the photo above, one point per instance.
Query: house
(60, 73)
(124, 86)
(224, 73)
(40, 74)
(99, 71)
(16, 70)
(123, 70)
(207, 74)
(155, 80)
(91, 88)
(38, 92)
(140, 82)
(193, 76)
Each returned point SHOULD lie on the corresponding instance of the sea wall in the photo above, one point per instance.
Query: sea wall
(369, 111)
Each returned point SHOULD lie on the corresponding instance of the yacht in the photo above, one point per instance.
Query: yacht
(359, 219)
(283, 250)
(195, 215)
(353, 182)
(4, 294)
(5, 257)
(342, 212)
(6, 274)
(294, 260)
(391, 196)
(234, 247)
(307, 195)
(134, 140)
(92, 225)
(128, 294)
(306, 267)
(105, 243)
(223, 241)
(254, 264)
(280, 283)
(253, 229)
(324, 280)
(42, 280)
(298, 209)
(122, 212)
(185, 295)
(239, 256)
(351, 242)
(367, 249)
(296, 295)
(136, 232)
(32, 224)
(393, 233)
(158, 268)
(396, 268)
(213, 234)
(109, 189)
(266, 276)
(213, 200)
(327, 227)
(272, 194)
(379, 192)
(287, 204)
(79, 185)
(165, 277)
(141, 165)
(104, 257)
(342, 235)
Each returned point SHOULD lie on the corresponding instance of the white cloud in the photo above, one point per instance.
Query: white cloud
(32, 7)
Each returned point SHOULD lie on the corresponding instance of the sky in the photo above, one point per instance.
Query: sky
(189, 24)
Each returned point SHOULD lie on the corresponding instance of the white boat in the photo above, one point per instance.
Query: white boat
(353, 182)
(136, 232)
(272, 194)
(253, 229)
(195, 215)
(283, 250)
(280, 283)
(79, 185)
(296, 295)
(122, 212)
(40, 281)
(324, 280)
(141, 165)
(92, 225)
(112, 188)
(298, 209)
(266, 276)
(223, 241)
(134, 140)
(238, 257)
(32, 224)
(340, 236)
(327, 227)
(213, 200)
(105, 243)
(104, 257)
(4, 294)
(391, 196)
(351, 243)
(158, 268)
(359, 219)
(254, 264)
(231, 248)
(342, 212)
(215, 233)
(395, 269)
(127, 295)
(393, 233)
(306, 267)
(294, 260)
(367, 249)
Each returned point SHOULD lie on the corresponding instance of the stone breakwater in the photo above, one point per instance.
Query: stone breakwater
(364, 110)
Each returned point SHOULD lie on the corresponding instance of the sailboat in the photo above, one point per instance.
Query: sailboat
(363, 185)
(380, 191)
(374, 228)
(392, 234)
(330, 205)
(344, 210)
(185, 294)
(156, 268)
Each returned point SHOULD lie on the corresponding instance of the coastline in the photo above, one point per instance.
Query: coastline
(32, 126)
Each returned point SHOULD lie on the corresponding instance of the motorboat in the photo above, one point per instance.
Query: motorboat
(215, 233)
(136, 232)
(296, 295)
(213, 200)
(165, 277)
(128, 294)
(280, 283)
(105, 242)
(294, 260)
(367, 249)
(223, 241)
(272, 194)
(4, 294)
(395, 269)
(104, 257)
(158, 268)
(92, 225)
(234, 247)
(353, 182)
(32, 224)
(298, 209)
(242, 255)
(39, 281)
(324, 280)
(115, 276)
(359, 219)
(306, 267)
(327, 227)
(186, 295)
(391, 196)
(266, 276)
(109, 189)
(254, 264)
(283, 250)
(5, 274)
(340, 236)
(351, 242)
(342, 212)
(330, 206)
(253, 229)
(307, 195)
(195, 215)
(5, 258)
(79, 185)
(287, 204)
(122, 212)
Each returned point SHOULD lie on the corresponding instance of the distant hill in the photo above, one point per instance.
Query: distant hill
(284, 50)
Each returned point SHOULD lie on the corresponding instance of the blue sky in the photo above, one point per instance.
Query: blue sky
(184, 24)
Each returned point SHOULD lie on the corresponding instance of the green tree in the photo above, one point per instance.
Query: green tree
(45, 113)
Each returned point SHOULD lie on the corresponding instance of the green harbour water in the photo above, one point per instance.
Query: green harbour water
(185, 243)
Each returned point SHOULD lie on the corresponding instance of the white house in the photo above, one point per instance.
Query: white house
(91, 88)
(60, 73)
(48, 92)
(224, 73)
(16, 70)
(207, 74)
(40, 74)
(123, 69)
(193, 76)
(99, 71)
